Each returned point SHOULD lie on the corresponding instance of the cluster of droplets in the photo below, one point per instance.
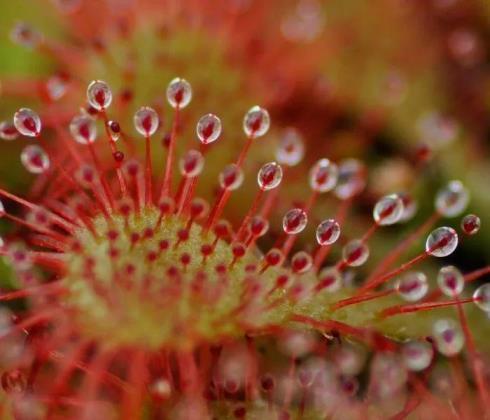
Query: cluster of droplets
(345, 180)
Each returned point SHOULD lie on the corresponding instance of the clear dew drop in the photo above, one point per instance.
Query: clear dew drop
(441, 242)
(327, 232)
(19, 256)
(301, 262)
(409, 206)
(291, 149)
(329, 280)
(274, 257)
(56, 87)
(34, 159)
(452, 200)
(114, 130)
(412, 286)
(417, 355)
(83, 129)
(470, 224)
(256, 122)
(388, 210)
(388, 374)
(349, 359)
(258, 226)
(39, 217)
(179, 93)
(231, 177)
(448, 337)
(191, 164)
(437, 130)
(450, 281)
(27, 122)
(355, 253)
(8, 131)
(269, 176)
(146, 121)
(481, 297)
(14, 381)
(199, 208)
(294, 221)
(86, 176)
(23, 34)
(99, 95)
(208, 128)
(323, 176)
(351, 179)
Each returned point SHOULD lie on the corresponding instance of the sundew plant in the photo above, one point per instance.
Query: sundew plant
(170, 261)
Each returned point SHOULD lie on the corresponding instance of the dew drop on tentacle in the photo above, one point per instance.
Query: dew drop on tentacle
(166, 205)
(388, 374)
(448, 337)
(222, 229)
(83, 129)
(18, 255)
(23, 34)
(409, 206)
(349, 359)
(179, 93)
(132, 168)
(294, 221)
(99, 95)
(35, 159)
(388, 210)
(417, 355)
(231, 177)
(198, 208)
(258, 226)
(329, 280)
(412, 286)
(86, 176)
(238, 250)
(269, 176)
(441, 242)
(301, 262)
(114, 130)
(146, 121)
(470, 224)
(452, 200)
(481, 297)
(27, 122)
(256, 122)
(56, 87)
(274, 257)
(450, 281)
(351, 178)
(355, 253)
(191, 164)
(327, 232)
(14, 381)
(291, 149)
(208, 128)
(267, 383)
(8, 131)
(323, 176)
